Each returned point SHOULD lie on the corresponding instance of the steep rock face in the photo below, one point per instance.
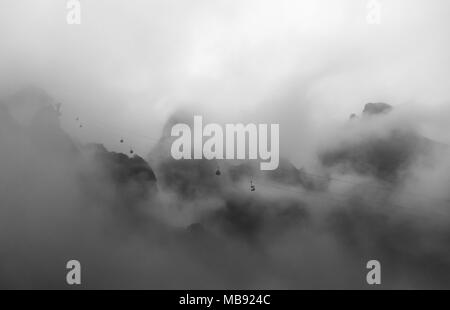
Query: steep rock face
(385, 155)
(44, 143)
(191, 179)
(32, 113)
(132, 177)
(377, 108)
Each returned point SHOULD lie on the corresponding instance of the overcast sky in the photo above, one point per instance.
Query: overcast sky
(302, 63)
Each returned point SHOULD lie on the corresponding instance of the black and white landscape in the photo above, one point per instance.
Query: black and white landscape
(86, 172)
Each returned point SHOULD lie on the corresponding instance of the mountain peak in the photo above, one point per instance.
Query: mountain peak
(377, 108)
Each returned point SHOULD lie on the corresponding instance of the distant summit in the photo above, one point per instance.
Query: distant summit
(31, 117)
(385, 155)
(377, 108)
(133, 178)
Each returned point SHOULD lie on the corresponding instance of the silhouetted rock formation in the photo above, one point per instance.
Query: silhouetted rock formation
(383, 156)
(191, 179)
(132, 176)
(376, 108)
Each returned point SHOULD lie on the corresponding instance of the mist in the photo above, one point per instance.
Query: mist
(347, 190)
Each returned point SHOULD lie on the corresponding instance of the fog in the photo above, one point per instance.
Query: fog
(347, 191)
(306, 63)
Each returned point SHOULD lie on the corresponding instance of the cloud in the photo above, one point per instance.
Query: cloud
(306, 65)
